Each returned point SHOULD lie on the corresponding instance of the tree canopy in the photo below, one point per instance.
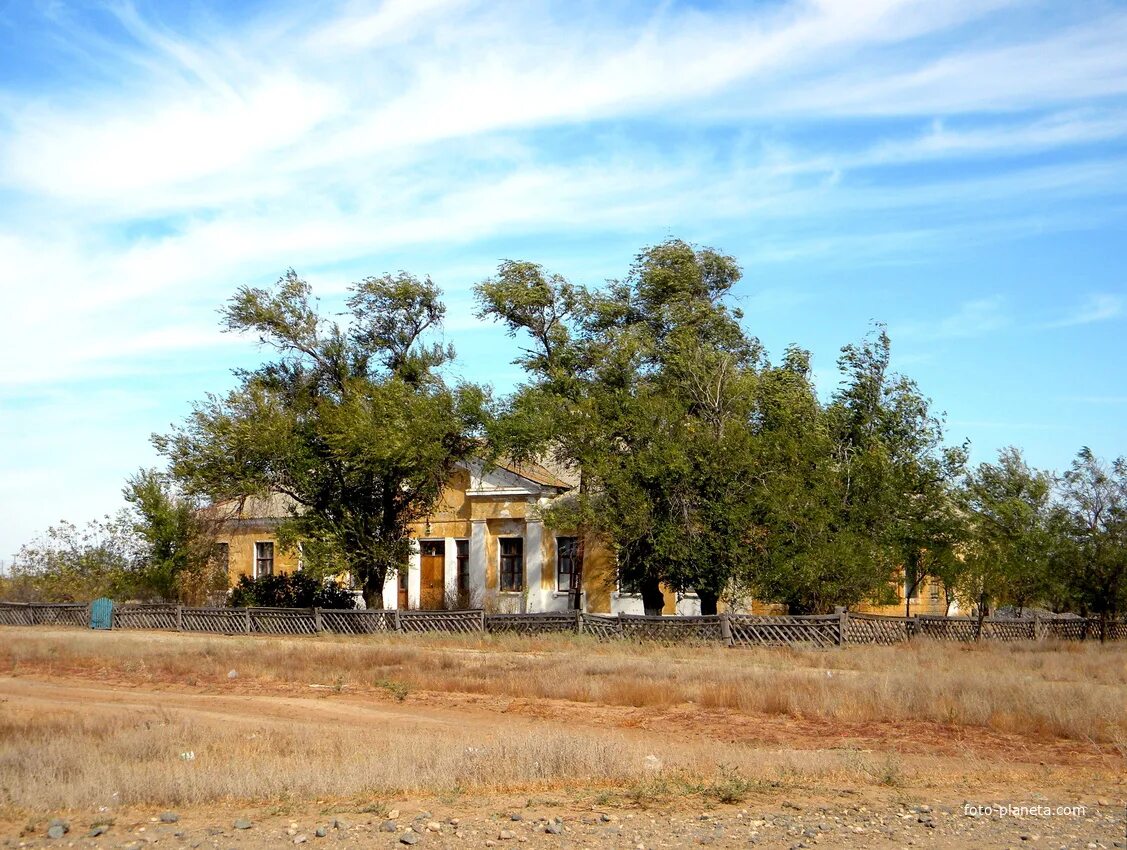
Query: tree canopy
(354, 422)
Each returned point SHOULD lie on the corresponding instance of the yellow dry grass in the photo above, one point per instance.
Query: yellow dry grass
(1074, 691)
(275, 737)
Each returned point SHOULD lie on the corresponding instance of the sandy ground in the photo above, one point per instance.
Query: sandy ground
(1056, 793)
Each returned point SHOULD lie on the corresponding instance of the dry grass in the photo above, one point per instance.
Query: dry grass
(125, 750)
(1071, 691)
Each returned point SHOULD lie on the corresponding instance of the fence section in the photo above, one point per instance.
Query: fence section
(738, 630)
(811, 630)
(532, 624)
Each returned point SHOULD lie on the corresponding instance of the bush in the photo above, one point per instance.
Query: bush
(289, 590)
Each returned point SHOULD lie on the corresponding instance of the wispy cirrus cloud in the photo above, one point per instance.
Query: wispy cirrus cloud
(1099, 307)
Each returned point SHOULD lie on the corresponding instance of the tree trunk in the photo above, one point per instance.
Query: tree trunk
(708, 602)
(653, 600)
(373, 591)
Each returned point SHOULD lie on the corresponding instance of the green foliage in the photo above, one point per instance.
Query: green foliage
(354, 422)
(176, 561)
(73, 564)
(704, 466)
(1091, 553)
(289, 590)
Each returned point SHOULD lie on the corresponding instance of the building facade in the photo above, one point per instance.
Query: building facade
(485, 545)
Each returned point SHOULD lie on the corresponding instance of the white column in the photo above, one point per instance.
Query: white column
(391, 590)
(450, 568)
(534, 563)
(414, 577)
(477, 561)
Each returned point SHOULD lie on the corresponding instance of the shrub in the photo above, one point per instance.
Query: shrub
(289, 590)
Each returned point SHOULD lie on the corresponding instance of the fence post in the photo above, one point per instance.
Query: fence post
(482, 621)
(578, 621)
(1037, 633)
(725, 628)
(842, 625)
(317, 626)
(398, 623)
(179, 618)
(246, 621)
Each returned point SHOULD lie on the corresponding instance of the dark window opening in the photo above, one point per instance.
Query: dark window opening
(263, 559)
(512, 564)
(567, 562)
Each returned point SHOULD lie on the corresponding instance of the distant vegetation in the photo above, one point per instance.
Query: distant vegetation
(703, 463)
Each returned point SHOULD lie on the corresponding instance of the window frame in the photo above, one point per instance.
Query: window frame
(567, 552)
(510, 565)
(260, 559)
(462, 565)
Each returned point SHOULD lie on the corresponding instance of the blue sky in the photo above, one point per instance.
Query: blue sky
(956, 169)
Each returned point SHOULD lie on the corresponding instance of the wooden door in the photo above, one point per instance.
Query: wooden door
(432, 575)
(402, 590)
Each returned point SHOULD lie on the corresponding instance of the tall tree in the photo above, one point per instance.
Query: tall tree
(176, 557)
(1094, 515)
(899, 478)
(644, 387)
(1009, 510)
(354, 422)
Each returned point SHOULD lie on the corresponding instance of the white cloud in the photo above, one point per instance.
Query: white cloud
(1100, 307)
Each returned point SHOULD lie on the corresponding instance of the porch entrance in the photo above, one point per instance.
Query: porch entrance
(432, 575)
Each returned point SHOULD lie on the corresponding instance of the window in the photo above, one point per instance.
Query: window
(462, 557)
(567, 562)
(512, 564)
(221, 557)
(432, 548)
(263, 559)
(629, 585)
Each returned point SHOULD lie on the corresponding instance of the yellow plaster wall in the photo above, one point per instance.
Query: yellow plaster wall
(240, 551)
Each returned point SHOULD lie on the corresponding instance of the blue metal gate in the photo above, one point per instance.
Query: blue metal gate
(101, 613)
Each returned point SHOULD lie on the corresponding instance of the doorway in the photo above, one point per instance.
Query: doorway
(432, 575)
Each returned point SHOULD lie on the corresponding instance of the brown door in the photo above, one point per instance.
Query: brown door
(432, 575)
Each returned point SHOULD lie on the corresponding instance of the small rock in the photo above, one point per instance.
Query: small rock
(409, 838)
(389, 826)
(489, 842)
(242, 823)
(100, 829)
(434, 826)
(56, 831)
(516, 816)
(232, 674)
(605, 818)
(554, 828)
(300, 839)
(393, 814)
(507, 835)
(169, 817)
(320, 832)
(340, 824)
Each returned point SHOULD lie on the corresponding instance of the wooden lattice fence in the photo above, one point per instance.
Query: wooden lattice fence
(361, 622)
(531, 624)
(807, 630)
(15, 614)
(871, 628)
(671, 629)
(446, 622)
(146, 617)
(601, 626)
(725, 629)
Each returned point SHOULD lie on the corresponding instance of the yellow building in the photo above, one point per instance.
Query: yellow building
(486, 546)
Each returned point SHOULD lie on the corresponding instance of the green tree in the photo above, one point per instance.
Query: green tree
(1009, 510)
(898, 479)
(353, 421)
(646, 388)
(177, 540)
(1093, 514)
(76, 564)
